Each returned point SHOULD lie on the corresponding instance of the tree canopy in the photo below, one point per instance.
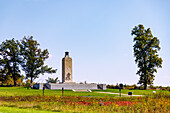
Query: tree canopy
(33, 58)
(146, 49)
(26, 55)
(10, 59)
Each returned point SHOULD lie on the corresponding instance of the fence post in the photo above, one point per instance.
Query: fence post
(43, 90)
(62, 91)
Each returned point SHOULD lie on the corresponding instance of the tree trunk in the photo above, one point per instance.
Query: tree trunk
(145, 86)
(145, 75)
(31, 80)
(15, 82)
(14, 78)
(14, 72)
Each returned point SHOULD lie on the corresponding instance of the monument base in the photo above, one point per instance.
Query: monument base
(69, 83)
(71, 86)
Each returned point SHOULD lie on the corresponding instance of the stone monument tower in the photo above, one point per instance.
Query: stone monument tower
(67, 69)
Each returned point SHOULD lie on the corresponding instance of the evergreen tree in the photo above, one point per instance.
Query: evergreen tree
(146, 49)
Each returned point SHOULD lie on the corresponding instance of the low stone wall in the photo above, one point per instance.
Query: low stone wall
(71, 86)
(101, 86)
(38, 86)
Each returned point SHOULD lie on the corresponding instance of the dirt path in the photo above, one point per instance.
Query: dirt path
(119, 93)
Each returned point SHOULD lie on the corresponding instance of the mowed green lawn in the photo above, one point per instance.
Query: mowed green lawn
(136, 92)
(22, 91)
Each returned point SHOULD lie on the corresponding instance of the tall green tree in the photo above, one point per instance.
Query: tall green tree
(10, 59)
(34, 57)
(146, 49)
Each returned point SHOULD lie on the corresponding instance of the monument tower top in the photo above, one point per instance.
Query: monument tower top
(67, 69)
(66, 53)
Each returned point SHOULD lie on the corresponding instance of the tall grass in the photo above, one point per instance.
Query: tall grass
(20, 98)
(159, 103)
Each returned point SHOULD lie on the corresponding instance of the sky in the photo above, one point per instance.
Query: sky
(97, 34)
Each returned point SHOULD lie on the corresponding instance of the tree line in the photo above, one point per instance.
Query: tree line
(26, 55)
(22, 55)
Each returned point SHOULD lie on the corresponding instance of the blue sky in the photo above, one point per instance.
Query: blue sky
(97, 33)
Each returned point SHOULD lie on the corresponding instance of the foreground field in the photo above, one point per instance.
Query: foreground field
(21, 100)
(21, 110)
